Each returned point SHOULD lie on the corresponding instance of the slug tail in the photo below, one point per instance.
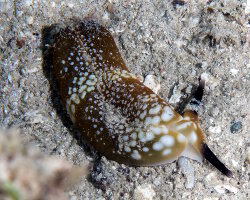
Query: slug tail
(211, 157)
(200, 146)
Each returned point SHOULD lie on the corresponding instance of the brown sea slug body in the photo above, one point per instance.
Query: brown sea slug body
(119, 116)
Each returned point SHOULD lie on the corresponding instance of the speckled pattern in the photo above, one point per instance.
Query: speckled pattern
(95, 84)
(176, 42)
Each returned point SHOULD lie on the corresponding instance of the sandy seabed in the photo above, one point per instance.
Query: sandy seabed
(177, 42)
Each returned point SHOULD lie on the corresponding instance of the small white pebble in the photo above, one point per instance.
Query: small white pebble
(71, 5)
(27, 2)
(144, 192)
(29, 19)
(247, 8)
(205, 77)
(140, 78)
(234, 71)
(211, 198)
(211, 178)
(221, 189)
(176, 97)
(194, 21)
(151, 82)
(234, 163)
(214, 129)
(53, 4)
(188, 171)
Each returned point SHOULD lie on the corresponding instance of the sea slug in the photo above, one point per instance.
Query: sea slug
(120, 117)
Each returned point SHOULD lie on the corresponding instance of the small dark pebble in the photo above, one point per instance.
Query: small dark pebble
(123, 170)
(36, 34)
(178, 2)
(210, 10)
(102, 183)
(235, 126)
(20, 43)
(97, 168)
(165, 16)
(198, 65)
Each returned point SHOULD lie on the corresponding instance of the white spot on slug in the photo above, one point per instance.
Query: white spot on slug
(75, 98)
(136, 155)
(166, 152)
(157, 146)
(156, 120)
(156, 130)
(125, 138)
(82, 88)
(181, 138)
(132, 143)
(167, 140)
(145, 149)
(91, 88)
(73, 109)
(164, 129)
(83, 95)
(143, 114)
(167, 114)
(183, 125)
(149, 136)
(192, 137)
(127, 149)
(155, 110)
(81, 80)
(70, 90)
(133, 136)
(74, 80)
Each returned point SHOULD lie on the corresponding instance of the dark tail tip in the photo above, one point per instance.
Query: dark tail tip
(200, 90)
(209, 156)
(195, 102)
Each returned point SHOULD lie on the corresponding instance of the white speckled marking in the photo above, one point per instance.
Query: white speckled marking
(156, 130)
(132, 143)
(149, 136)
(183, 125)
(82, 88)
(73, 108)
(91, 88)
(148, 121)
(136, 155)
(141, 123)
(133, 136)
(166, 152)
(181, 138)
(141, 136)
(127, 149)
(75, 98)
(192, 137)
(164, 129)
(167, 140)
(167, 114)
(125, 138)
(157, 146)
(83, 95)
(155, 110)
(145, 149)
(156, 120)
(70, 90)
(81, 80)
(143, 114)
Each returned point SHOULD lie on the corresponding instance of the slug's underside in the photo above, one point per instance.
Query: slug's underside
(121, 118)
